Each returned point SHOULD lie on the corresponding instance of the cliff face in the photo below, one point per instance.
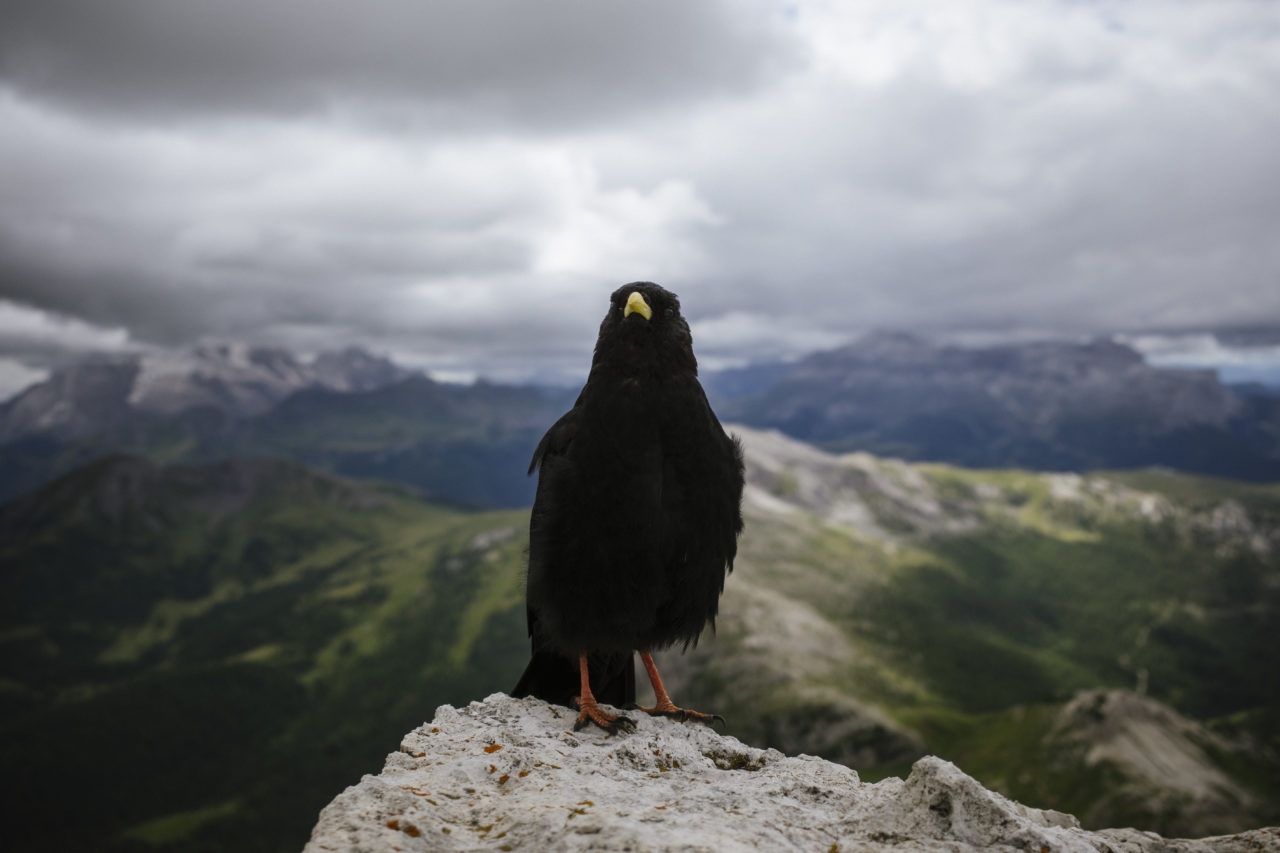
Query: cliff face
(507, 774)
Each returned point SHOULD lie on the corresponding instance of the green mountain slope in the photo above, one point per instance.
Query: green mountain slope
(883, 609)
(215, 651)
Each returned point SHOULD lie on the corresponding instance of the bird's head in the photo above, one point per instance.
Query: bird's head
(644, 329)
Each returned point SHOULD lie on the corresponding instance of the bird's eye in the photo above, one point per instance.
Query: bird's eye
(669, 313)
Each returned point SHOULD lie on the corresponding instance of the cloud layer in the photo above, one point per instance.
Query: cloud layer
(462, 184)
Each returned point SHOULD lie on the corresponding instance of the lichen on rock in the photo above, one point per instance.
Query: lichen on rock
(510, 774)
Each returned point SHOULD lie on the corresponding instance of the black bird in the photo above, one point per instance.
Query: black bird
(636, 518)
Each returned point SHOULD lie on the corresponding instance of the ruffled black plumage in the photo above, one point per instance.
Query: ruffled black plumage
(638, 507)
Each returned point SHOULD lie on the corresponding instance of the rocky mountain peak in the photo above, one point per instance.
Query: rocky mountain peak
(83, 399)
(898, 350)
(1051, 404)
(508, 774)
(355, 369)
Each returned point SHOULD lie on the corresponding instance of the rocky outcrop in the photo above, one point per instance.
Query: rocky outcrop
(1164, 757)
(507, 774)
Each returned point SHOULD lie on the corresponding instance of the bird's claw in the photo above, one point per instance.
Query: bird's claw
(589, 713)
(682, 715)
(712, 719)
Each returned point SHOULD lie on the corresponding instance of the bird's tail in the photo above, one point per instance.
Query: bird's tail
(553, 677)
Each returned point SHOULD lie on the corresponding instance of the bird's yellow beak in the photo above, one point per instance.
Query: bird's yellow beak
(637, 305)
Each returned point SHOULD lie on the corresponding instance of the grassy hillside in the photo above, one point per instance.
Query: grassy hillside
(882, 609)
(214, 652)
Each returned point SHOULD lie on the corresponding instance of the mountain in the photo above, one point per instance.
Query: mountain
(468, 444)
(880, 610)
(353, 369)
(1045, 406)
(349, 413)
(218, 649)
(86, 399)
(76, 401)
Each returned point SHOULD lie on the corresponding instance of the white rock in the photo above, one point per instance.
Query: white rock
(508, 774)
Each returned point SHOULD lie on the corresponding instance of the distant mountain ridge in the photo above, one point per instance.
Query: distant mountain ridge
(348, 412)
(1080, 406)
(83, 399)
(1046, 406)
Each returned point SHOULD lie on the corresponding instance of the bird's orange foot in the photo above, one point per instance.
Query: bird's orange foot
(667, 708)
(589, 712)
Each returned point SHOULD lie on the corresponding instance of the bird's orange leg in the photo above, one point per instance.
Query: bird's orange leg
(589, 711)
(662, 705)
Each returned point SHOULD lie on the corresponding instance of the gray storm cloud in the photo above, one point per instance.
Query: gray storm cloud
(462, 184)
(563, 61)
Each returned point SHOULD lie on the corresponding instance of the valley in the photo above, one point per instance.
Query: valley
(198, 629)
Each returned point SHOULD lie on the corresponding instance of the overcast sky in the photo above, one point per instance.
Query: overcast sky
(461, 184)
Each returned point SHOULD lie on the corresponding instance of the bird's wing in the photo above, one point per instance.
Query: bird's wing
(558, 438)
(553, 443)
(704, 504)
